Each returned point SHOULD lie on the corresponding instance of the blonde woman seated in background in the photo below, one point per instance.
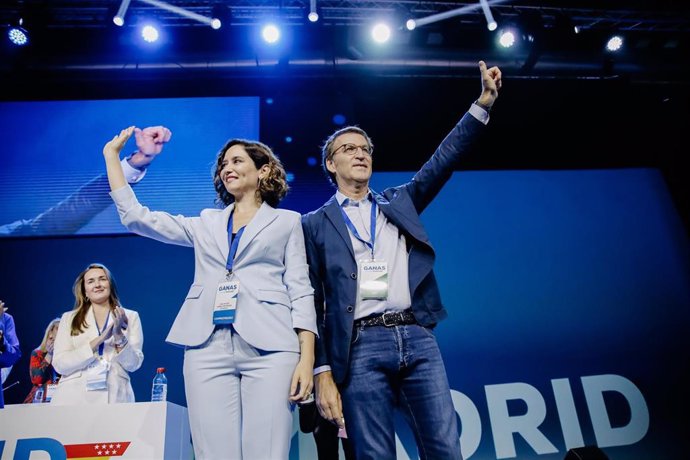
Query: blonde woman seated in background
(41, 370)
(98, 343)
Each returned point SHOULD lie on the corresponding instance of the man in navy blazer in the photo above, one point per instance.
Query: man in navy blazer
(377, 300)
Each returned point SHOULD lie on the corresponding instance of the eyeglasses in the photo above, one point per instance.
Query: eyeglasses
(351, 149)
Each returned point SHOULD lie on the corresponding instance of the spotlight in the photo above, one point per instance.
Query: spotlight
(181, 11)
(270, 33)
(615, 43)
(18, 36)
(402, 17)
(491, 24)
(150, 33)
(313, 15)
(467, 9)
(507, 38)
(119, 18)
(381, 32)
(220, 15)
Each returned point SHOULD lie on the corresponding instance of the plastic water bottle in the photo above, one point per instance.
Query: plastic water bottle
(159, 390)
(38, 396)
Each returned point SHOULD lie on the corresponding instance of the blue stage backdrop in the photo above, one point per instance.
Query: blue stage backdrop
(568, 300)
(569, 305)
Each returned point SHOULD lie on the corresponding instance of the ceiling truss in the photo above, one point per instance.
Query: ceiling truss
(98, 14)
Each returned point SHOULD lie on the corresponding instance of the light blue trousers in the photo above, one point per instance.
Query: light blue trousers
(237, 397)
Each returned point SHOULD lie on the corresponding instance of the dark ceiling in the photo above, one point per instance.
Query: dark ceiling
(566, 102)
(79, 36)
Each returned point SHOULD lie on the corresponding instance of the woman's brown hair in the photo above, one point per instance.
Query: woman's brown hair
(82, 303)
(271, 188)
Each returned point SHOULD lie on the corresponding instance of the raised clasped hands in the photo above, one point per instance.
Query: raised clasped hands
(149, 144)
(149, 141)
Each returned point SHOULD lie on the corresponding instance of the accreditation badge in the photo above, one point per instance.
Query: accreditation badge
(50, 389)
(373, 279)
(225, 305)
(97, 375)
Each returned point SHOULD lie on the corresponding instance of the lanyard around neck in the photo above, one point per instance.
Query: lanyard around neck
(101, 347)
(355, 233)
(233, 243)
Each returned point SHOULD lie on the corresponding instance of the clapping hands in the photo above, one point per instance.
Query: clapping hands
(119, 324)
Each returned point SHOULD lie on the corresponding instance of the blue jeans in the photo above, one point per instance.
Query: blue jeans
(391, 367)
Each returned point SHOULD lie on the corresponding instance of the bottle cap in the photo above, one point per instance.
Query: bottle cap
(160, 370)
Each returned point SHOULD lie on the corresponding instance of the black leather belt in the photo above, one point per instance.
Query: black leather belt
(388, 319)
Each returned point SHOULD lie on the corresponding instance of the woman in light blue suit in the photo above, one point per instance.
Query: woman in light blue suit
(248, 323)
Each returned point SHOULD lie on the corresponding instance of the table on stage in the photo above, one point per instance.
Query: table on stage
(145, 430)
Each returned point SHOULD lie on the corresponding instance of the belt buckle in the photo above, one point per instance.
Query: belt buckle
(391, 313)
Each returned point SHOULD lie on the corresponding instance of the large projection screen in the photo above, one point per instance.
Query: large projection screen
(53, 148)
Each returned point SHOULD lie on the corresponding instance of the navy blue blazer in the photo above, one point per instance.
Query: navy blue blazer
(332, 265)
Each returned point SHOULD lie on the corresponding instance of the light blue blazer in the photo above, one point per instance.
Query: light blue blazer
(275, 296)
